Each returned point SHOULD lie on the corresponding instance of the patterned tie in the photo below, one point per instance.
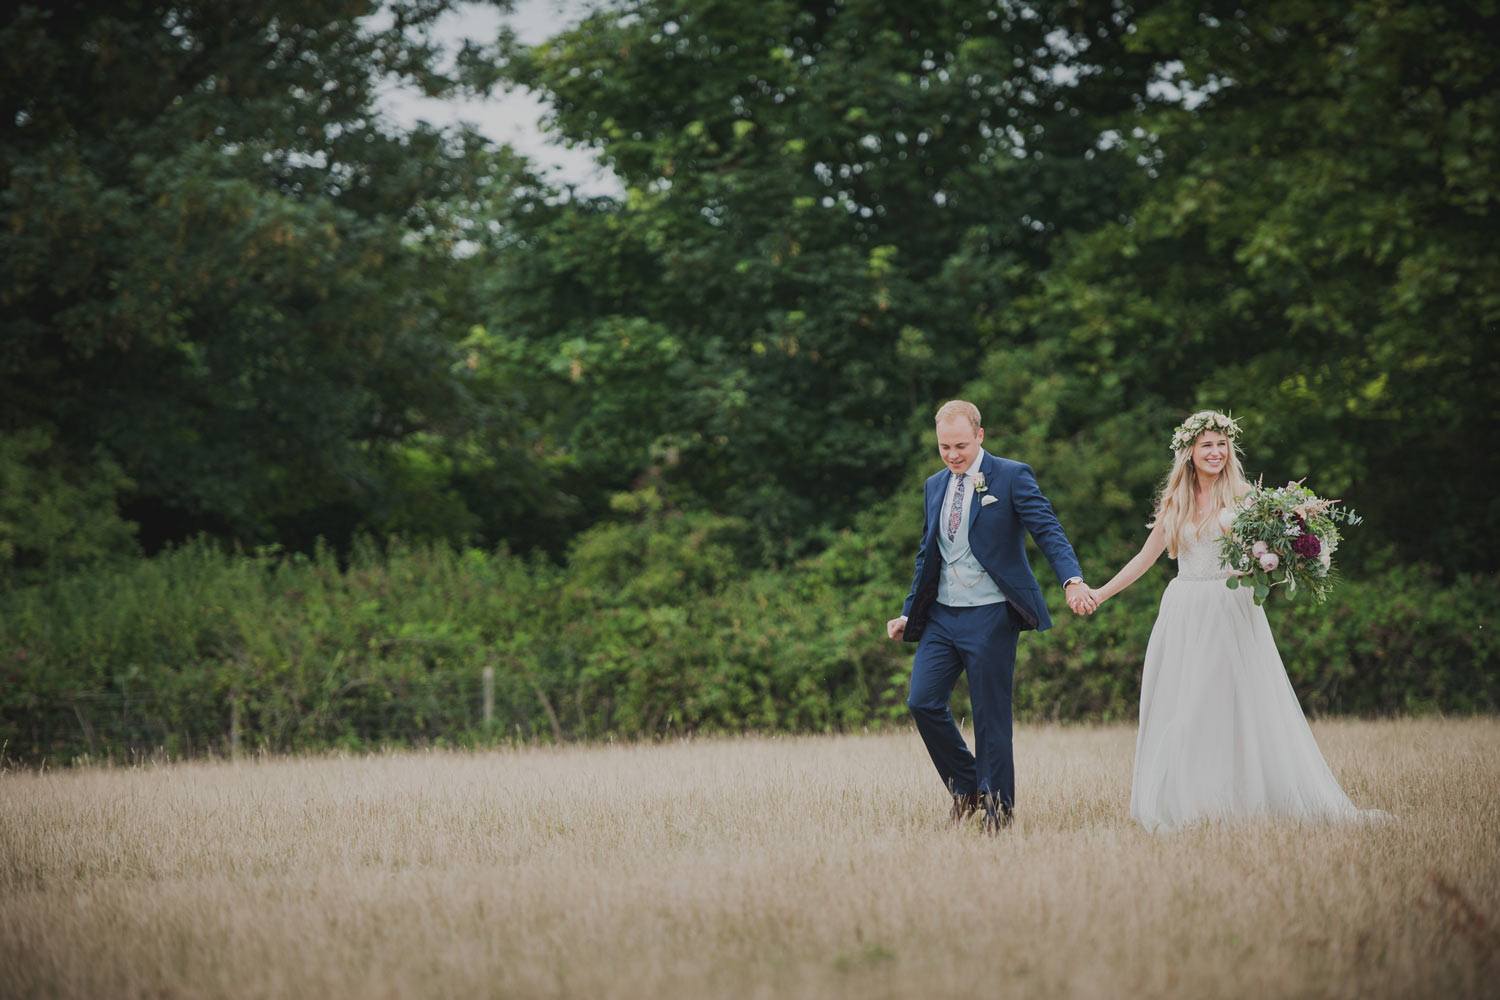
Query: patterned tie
(956, 512)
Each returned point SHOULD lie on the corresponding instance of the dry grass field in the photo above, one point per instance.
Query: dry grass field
(806, 867)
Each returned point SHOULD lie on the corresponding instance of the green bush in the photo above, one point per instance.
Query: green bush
(650, 629)
(1404, 641)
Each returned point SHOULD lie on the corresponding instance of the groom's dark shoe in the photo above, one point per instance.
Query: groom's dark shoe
(965, 804)
(997, 815)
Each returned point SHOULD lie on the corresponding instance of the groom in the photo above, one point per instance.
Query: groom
(972, 595)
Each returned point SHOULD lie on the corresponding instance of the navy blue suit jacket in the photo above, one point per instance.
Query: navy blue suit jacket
(997, 539)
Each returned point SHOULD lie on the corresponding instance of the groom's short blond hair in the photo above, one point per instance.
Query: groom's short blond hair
(959, 408)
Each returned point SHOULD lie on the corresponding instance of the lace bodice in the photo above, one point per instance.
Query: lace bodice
(1198, 557)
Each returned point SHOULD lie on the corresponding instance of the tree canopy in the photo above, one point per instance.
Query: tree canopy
(238, 302)
(232, 298)
(825, 207)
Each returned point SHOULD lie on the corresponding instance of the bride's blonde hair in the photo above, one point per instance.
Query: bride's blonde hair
(1175, 504)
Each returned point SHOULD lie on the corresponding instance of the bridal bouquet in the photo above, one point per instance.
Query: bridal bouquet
(1283, 536)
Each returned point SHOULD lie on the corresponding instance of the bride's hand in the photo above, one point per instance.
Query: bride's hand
(1077, 593)
(1098, 598)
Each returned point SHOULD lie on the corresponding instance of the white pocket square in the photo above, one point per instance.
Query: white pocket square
(987, 500)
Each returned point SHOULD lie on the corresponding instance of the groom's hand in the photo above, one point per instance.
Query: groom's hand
(896, 627)
(1080, 599)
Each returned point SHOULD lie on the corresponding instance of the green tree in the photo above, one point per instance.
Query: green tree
(1315, 252)
(824, 205)
(224, 274)
(53, 518)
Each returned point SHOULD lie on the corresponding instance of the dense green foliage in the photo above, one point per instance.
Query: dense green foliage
(224, 276)
(677, 435)
(1091, 219)
(650, 632)
(825, 207)
(1315, 252)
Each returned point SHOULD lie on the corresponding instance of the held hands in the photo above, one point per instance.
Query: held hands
(1081, 599)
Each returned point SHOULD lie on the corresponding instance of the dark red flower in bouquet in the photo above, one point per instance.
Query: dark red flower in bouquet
(1307, 545)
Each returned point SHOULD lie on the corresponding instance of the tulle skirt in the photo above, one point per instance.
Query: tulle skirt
(1222, 735)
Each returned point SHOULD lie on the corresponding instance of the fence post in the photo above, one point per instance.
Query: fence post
(234, 725)
(489, 696)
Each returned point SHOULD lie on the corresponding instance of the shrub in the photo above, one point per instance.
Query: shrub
(649, 630)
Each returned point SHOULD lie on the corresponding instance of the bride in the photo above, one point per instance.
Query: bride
(1221, 734)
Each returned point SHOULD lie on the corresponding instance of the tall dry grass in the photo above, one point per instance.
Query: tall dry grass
(744, 868)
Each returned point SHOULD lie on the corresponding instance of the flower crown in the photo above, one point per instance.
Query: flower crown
(1207, 420)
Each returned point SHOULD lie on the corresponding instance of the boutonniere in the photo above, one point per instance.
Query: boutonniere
(979, 484)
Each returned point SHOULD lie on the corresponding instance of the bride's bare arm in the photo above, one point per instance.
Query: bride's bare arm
(1156, 544)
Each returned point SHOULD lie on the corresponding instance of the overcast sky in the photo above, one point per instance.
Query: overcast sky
(509, 118)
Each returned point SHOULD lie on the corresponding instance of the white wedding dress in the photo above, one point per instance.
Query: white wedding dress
(1222, 735)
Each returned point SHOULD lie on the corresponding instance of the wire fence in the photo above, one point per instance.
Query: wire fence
(449, 708)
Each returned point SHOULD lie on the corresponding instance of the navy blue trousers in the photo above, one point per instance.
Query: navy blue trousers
(981, 642)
